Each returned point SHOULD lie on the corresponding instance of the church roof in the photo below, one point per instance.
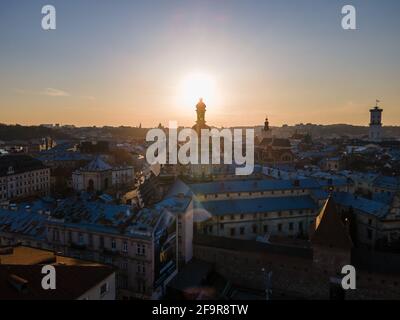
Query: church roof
(98, 164)
(330, 230)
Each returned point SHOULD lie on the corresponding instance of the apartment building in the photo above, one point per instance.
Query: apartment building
(145, 246)
(22, 176)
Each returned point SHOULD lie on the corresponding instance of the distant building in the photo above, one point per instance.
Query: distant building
(332, 164)
(272, 150)
(375, 126)
(94, 146)
(100, 176)
(22, 176)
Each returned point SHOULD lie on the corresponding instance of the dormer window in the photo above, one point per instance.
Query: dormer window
(10, 170)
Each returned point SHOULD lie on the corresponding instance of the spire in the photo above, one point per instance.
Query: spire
(266, 124)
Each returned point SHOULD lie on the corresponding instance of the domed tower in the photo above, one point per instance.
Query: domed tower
(201, 117)
(266, 124)
(266, 132)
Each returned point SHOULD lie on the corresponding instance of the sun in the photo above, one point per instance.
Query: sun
(198, 85)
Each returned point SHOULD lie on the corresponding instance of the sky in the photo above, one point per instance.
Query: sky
(125, 62)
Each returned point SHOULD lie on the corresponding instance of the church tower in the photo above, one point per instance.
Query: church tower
(266, 132)
(375, 126)
(201, 117)
(200, 170)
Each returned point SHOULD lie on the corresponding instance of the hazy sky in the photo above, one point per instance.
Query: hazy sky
(122, 62)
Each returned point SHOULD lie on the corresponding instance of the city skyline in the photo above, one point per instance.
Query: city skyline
(131, 64)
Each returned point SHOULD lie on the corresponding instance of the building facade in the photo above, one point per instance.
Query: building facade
(22, 177)
(375, 126)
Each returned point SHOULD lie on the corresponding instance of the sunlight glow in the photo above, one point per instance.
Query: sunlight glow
(196, 86)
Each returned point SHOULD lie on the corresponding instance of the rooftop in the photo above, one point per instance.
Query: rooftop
(19, 164)
(257, 205)
(375, 208)
(252, 186)
(23, 282)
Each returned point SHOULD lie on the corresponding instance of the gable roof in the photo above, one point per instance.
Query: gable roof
(330, 230)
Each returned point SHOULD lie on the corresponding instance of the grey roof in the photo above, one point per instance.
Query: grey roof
(98, 164)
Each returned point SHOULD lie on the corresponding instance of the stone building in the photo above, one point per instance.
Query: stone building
(22, 176)
(306, 270)
(272, 150)
(98, 175)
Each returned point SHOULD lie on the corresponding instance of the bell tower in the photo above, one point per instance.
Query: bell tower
(201, 116)
(375, 125)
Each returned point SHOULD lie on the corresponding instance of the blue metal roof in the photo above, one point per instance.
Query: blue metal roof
(257, 205)
(378, 209)
(25, 219)
(392, 183)
(251, 186)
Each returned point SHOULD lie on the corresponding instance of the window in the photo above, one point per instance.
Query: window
(141, 249)
(80, 238)
(291, 226)
(242, 230)
(56, 235)
(232, 232)
(265, 228)
(113, 244)
(242, 216)
(369, 234)
(221, 226)
(141, 286)
(232, 217)
(125, 246)
(141, 269)
(104, 289)
(280, 227)
(254, 228)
